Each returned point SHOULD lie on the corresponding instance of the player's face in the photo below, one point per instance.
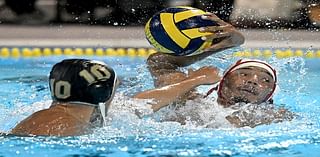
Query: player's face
(249, 85)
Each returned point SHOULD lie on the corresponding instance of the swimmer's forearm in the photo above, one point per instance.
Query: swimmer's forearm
(168, 94)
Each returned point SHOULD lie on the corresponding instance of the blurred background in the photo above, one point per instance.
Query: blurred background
(241, 13)
(119, 23)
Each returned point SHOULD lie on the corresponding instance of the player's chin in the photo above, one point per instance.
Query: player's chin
(246, 98)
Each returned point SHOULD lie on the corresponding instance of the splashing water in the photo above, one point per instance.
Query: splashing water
(206, 132)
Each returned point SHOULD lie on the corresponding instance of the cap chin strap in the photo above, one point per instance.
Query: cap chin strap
(102, 105)
(102, 108)
(81, 103)
(215, 88)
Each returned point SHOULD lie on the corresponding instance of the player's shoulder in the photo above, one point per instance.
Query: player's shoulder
(52, 113)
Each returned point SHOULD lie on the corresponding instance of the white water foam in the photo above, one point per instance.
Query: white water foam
(128, 116)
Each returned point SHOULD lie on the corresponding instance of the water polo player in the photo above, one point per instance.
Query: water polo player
(82, 91)
(248, 81)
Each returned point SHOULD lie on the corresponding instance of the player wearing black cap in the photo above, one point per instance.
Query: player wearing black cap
(82, 91)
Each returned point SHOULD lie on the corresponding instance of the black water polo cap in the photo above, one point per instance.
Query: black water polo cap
(82, 80)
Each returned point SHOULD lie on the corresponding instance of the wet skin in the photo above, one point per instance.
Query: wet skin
(249, 85)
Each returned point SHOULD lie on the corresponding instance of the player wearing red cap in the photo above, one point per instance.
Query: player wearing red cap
(247, 81)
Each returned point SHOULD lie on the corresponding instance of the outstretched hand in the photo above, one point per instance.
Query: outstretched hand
(208, 74)
(225, 31)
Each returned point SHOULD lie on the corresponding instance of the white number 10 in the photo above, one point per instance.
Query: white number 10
(97, 71)
(62, 89)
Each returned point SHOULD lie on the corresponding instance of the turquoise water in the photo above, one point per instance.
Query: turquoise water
(24, 89)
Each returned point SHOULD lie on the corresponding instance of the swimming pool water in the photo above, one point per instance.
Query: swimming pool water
(24, 89)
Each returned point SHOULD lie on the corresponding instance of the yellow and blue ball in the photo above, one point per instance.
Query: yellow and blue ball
(175, 31)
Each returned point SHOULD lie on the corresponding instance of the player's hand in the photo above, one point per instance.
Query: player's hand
(225, 31)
